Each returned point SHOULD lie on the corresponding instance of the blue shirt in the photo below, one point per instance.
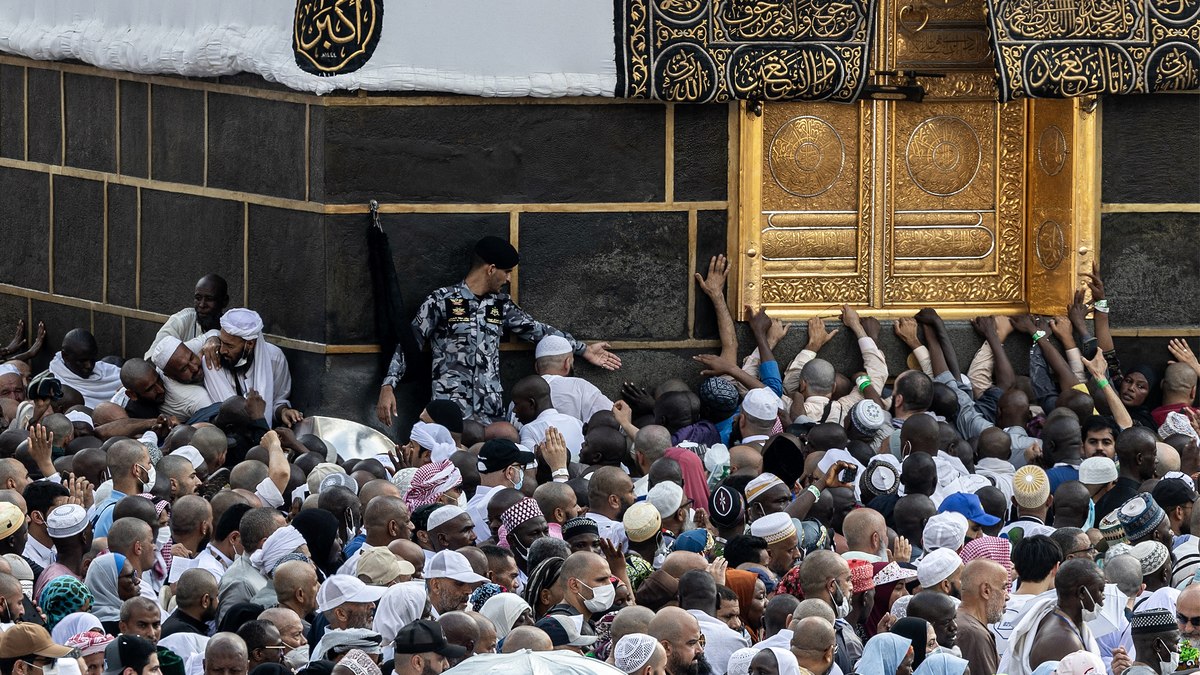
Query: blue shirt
(768, 374)
(104, 514)
(1061, 474)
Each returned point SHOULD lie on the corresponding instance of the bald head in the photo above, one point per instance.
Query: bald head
(817, 377)
(672, 624)
(225, 645)
(679, 563)
(633, 619)
(865, 530)
(651, 443)
(527, 637)
(919, 434)
(812, 634)
(460, 629)
(745, 460)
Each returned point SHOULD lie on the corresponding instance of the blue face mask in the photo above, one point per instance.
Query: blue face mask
(520, 479)
(1091, 519)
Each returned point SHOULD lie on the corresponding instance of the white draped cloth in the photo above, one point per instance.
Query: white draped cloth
(103, 384)
(1016, 661)
(267, 374)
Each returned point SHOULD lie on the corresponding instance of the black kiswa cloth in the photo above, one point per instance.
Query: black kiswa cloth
(392, 323)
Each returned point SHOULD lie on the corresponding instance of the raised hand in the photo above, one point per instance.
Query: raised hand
(1077, 313)
(209, 353)
(718, 271)
(18, 340)
(714, 365)
(1094, 283)
(1097, 365)
(1183, 353)
(637, 396)
(850, 319)
(760, 323)
(554, 449)
(818, 334)
(776, 332)
(598, 355)
(905, 328)
(1061, 327)
(256, 407)
(1024, 323)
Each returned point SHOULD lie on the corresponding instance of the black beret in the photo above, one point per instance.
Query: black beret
(496, 251)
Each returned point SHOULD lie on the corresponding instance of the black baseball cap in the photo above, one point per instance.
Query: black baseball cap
(500, 453)
(1172, 492)
(423, 636)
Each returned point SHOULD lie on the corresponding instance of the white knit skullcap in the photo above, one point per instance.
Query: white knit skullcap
(633, 652)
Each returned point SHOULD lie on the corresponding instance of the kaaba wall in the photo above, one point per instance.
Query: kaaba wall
(121, 190)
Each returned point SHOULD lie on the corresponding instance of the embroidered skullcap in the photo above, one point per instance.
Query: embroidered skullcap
(996, 549)
(760, 484)
(719, 395)
(11, 518)
(774, 527)
(430, 482)
(726, 507)
(945, 530)
(1111, 530)
(861, 575)
(893, 572)
(498, 252)
(1152, 555)
(936, 567)
(359, 662)
(883, 478)
(694, 541)
(633, 652)
(1176, 423)
(65, 521)
(552, 345)
(667, 497)
(163, 350)
(1153, 621)
(867, 417)
(1097, 471)
(579, 525)
(522, 512)
(900, 607)
(242, 323)
(641, 522)
(739, 661)
(442, 515)
(89, 643)
(338, 480)
(761, 404)
(403, 479)
(1139, 516)
(318, 474)
(813, 536)
(1031, 487)
(435, 438)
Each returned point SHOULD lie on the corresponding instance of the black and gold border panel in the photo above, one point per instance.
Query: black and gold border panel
(698, 51)
(1066, 48)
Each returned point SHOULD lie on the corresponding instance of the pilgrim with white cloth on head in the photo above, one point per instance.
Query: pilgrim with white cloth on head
(240, 361)
(77, 366)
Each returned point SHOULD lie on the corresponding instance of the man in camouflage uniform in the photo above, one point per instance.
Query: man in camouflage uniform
(464, 324)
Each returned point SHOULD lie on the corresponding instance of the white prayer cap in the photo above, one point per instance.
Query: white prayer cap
(760, 484)
(667, 497)
(65, 521)
(80, 416)
(945, 530)
(774, 527)
(761, 404)
(633, 652)
(163, 350)
(442, 515)
(552, 345)
(1097, 471)
(936, 567)
(191, 454)
(242, 323)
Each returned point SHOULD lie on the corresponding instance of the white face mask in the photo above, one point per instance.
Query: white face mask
(842, 607)
(602, 598)
(164, 535)
(690, 522)
(462, 500)
(52, 668)
(1169, 666)
(1093, 613)
(296, 658)
(151, 478)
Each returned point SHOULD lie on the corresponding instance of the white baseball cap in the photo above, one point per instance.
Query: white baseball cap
(339, 589)
(449, 564)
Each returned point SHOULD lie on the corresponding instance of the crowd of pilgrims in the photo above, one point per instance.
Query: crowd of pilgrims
(161, 515)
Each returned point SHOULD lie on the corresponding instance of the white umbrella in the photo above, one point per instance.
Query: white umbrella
(526, 662)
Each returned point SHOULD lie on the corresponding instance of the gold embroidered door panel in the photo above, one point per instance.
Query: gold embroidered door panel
(956, 201)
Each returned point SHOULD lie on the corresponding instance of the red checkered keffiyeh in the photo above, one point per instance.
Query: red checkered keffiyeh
(89, 643)
(996, 549)
(430, 482)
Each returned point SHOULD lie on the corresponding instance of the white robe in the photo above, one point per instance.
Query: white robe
(268, 375)
(103, 384)
(1016, 660)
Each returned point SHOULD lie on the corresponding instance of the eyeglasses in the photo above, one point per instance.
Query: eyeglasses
(1089, 552)
(694, 643)
(1193, 621)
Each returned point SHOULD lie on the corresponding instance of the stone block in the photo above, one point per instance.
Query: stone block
(1150, 263)
(177, 130)
(14, 308)
(701, 152)
(110, 335)
(1151, 149)
(609, 276)
(287, 272)
(495, 153)
(256, 145)
(185, 237)
(79, 238)
(711, 239)
(25, 259)
(429, 251)
(139, 335)
(135, 129)
(12, 112)
(316, 153)
(90, 107)
(59, 320)
(45, 116)
(122, 245)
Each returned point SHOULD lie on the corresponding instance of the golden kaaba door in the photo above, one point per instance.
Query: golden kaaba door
(957, 201)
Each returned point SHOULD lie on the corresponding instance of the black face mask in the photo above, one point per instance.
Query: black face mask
(6, 614)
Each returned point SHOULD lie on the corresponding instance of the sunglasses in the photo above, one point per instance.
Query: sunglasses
(1193, 621)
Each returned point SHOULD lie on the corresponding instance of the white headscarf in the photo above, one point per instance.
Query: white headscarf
(435, 438)
(242, 323)
(74, 624)
(163, 350)
(281, 542)
(503, 609)
(786, 660)
(400, 605)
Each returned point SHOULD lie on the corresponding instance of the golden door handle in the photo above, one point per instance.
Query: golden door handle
(750, 253)
(905, 10)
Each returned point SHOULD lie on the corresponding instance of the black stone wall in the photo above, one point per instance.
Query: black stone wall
(120, 191)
